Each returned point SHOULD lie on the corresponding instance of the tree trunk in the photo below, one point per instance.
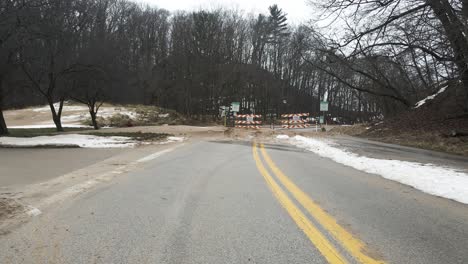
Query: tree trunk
(93, 119)
(56, 116)
(454, 30)
(3, 127)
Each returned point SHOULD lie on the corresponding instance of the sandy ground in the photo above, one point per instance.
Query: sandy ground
(72, 114)
(27, 116)
(178, 130)
(37, 116)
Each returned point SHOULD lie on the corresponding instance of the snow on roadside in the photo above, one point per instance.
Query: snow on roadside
(84, 141)
(430, 97)
(176, 139)
(51, 126)
(172, 139)
(429, 178)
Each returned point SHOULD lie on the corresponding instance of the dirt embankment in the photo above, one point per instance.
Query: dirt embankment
(439, 124)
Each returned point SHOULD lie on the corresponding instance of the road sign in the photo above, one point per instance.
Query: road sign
(323, 106)
(235, 106)
(322, 119)
(296, 118)
(250, 119)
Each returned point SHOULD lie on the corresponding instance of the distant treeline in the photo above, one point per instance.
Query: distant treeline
(194, 62)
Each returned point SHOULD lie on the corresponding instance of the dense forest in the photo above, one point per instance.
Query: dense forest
(386, 56)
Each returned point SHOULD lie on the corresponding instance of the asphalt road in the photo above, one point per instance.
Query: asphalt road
(232, 202)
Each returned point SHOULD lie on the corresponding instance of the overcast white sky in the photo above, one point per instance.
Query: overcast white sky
(297, 10)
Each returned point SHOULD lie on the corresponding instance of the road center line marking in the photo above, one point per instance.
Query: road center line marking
(353, 245)
(327, 249)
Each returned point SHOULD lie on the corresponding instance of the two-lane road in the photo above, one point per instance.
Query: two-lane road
(239, 202)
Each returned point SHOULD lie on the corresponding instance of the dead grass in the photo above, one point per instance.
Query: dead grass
(349, 130)
(429, 141)
(418, 138)
(8, 208)
(140, 136)
(145, 116)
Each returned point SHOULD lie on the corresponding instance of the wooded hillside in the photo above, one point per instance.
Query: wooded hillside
(388, 55)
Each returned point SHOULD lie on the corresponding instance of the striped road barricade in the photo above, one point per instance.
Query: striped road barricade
(248, 121)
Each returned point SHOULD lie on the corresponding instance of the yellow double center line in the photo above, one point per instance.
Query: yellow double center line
(355, 247)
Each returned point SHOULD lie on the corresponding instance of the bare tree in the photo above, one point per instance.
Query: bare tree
(49, 50)
(435, 29)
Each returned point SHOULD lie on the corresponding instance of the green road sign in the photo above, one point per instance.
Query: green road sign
(323, 106)
(235, 106)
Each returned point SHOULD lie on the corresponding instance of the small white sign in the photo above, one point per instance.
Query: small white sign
(250, 118)
(296, 118)
(222, 111)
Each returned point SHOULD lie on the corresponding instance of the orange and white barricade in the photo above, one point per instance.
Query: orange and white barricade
(298, 120)
(249, 121)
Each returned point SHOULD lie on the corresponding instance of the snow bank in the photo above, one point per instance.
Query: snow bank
(107, 112)
(84, 141)
(172, 140)
(436, 180)
(176, 139)
(430, 97)
(74, 115)
(104, 111)
(66, 108)
(45, 125)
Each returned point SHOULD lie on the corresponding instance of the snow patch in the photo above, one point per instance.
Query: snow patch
(84, 141)
(430, 97)
(51, 126)
(72, 118)
(107, 112)
(33, 211)
(282, 137)
(172, 140)
(436, 180)
(66, 108)
(175, 139)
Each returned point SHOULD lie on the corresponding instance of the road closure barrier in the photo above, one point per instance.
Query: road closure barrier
(248, 121)
(298, 120)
